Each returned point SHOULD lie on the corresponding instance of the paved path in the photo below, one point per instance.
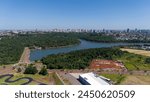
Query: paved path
(134, 72)
(10, 76)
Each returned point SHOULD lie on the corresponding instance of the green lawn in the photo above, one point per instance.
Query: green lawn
(136, 80)
(56, 79)
(134, 62)
(128, 79)
(116, 78)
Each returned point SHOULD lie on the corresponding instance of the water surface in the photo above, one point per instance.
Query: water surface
(38, 54)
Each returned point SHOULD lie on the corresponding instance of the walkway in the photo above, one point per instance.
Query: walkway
(25, 57)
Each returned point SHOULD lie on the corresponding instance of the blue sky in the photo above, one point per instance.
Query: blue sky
(90, 14)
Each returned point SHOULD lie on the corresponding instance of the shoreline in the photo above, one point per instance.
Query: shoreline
(56, 47)
(114, 41)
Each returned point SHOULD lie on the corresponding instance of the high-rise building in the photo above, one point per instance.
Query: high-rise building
(128, 30)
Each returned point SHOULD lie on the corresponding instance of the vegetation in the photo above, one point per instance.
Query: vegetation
(30, 70)
(19, 70)
(19, 82)
(136, 80)
(101, 37)
(43, 71)
(82, 59)
(47, 79)
(147, 60)
(116, 78)
(56, 79)
(134, 61)
(11, 47)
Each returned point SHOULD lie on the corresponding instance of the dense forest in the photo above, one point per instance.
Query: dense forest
(97, 37)
(11, 47)
(80, 59)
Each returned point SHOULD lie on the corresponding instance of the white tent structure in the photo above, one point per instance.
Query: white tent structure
(93, 79)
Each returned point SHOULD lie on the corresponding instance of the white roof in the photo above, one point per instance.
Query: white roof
(94, 79)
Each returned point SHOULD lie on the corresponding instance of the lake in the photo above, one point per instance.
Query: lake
(38, 54)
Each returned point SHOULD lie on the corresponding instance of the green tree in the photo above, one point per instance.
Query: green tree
(147, 60)
(43, 71)
(19, 70)
(31, 70)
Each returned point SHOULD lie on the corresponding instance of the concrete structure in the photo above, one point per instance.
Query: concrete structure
(93, 79)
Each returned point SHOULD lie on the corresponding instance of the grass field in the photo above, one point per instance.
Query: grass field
(134, 61)
(116, 78)
(56, 79)
(136, 80)
(140, 52)
(128, 79)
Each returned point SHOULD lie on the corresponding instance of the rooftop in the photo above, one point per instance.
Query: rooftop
(94, 79)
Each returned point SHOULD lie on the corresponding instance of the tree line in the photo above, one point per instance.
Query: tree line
(80, 59)
(11, 47)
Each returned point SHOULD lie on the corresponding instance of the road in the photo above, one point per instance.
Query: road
(25, 57)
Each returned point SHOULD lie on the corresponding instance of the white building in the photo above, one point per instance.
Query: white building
(93, 79)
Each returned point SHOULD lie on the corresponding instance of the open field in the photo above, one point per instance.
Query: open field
(136, 80)
(116, 78)
(124, 79)
(140, 52)
(7, 69)
(134, 61)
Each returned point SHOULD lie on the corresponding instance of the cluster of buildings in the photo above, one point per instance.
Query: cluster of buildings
(11, 32)
(132, 35)
(117, 34)
(76, 30)
(140, 46)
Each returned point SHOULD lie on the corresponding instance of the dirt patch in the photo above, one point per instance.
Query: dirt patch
(25, 58)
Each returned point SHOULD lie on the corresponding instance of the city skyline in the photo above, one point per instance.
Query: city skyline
(74, 14)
